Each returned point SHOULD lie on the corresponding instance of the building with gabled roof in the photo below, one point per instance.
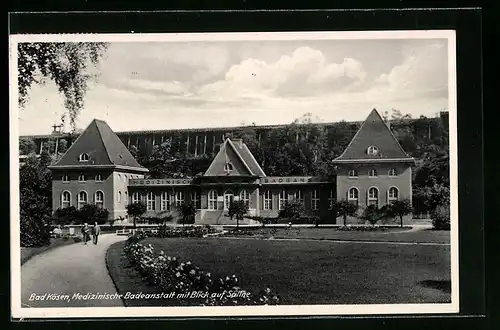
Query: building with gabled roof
(98, 168)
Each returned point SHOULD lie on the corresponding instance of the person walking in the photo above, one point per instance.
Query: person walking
(96, 232)
(85, 233)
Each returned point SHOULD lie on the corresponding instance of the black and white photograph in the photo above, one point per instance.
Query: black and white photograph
(233, 174)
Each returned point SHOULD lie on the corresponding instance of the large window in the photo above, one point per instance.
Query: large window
(393, 195)
(228, 198)
(136, 197)
(82, 198)
(268, 200)
(373, 196)
(65, 199)
(179, 198)
(331, 200)
(282, 199)
(99, 199)
(298, 196)
(195, 199)
(353, 195)
(165, 201)
(314, 199)
(212, 200)
(245, 196)
(150, 201)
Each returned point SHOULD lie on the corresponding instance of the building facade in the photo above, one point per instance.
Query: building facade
(98, 168)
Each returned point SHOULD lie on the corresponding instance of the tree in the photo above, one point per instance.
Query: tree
(68, 64)
(399, 208)
(238, 209)
(373, 214)
(91, 213)
(292, 210)
(187, 211)
(345, 208)
(26, 146)
(135, 210)
(65, 216)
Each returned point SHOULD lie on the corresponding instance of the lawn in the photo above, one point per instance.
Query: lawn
(29, 252)
(307, 272)
(390, 235)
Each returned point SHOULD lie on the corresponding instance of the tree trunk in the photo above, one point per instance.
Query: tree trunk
(401, 218)
(135, 219)
(345, 220)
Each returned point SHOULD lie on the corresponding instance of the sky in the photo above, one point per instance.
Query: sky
(174, 85)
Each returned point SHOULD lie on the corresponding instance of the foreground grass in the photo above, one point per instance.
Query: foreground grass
(29, 252)
(306, 272)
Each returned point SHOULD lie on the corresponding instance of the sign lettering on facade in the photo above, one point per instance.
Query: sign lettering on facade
(291, 180)
(161, 182)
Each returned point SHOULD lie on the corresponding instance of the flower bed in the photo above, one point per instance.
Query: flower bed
(188, 231)
(187, 283)
(369, 228)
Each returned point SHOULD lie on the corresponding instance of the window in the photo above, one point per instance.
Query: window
(393, 195)
(119, 176)
(98, 178)
(126, 197)
(245, 196)
(195, 198)
(314, 200)
(353, 174)
(84, 157)
(373, 196)
(228, 167)
(393, 172)
(179, 198)
(119, 196)
(125, 178)
(165, 201)
(212, 200)
(136, 197)
(331, 201)
(65, 199)
(81, 178)
(150, 201)
(298, 196)
(228, 198)
(268, 200)
(282, 199)
(372, 150)
(82, 199)
(65, 179)
(372, 173)
(353, 195)
(99, 199)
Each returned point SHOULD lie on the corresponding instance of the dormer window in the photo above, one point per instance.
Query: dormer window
(372, 151)
(228, 167)
(84, 157)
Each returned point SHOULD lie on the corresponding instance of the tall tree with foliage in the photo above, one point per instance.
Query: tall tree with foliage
(238, 209)
(68, 64)
(399, 209)
(344, 209)
(135, 210)
(187, 211)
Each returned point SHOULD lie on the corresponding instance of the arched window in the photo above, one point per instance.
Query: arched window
(212, 200)
(99, 199)
(228, 167)
(372, 173)
(393, 195)
(98, 178)
(373, 196)
(393, 172)
(353, 174)
(84, 157)
(82, 198)
(150, 201)
(119, 176)
(282, 199)
(268, 200)
(353, 195)
(165, 201)
(125, 178)
(136, 197)
(244, 196)
(126, 197)
(65, 199)
(372, 150)
(331, 200)
(65, 179)
(179, 198)
(119, 196)
(299, 197)
(314, 200)
(196, 200)
(81, 178)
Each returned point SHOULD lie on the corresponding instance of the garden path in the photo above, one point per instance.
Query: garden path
(68, 270)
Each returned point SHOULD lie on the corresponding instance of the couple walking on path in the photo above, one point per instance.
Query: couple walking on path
(95, 231)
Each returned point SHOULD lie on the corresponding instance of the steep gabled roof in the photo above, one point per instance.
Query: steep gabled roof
(103, 147)
(239, 156)
(374, 132)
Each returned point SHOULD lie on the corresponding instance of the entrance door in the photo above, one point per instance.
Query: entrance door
(228, 198)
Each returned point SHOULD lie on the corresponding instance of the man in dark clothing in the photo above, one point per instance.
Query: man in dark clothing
(85, 233)
(96, 232)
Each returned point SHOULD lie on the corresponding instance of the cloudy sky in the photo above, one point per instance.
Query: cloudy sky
(166, 85)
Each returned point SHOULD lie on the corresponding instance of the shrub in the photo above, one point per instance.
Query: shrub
(66, 216)
(34, 232)
(165, 231)
(373, 214)
(345, 208)
(91, 213)
(292, 210)
(135, 210)
(187, 212)
(441, 218)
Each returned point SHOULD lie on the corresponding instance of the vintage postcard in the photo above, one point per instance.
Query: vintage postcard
(233, 174)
